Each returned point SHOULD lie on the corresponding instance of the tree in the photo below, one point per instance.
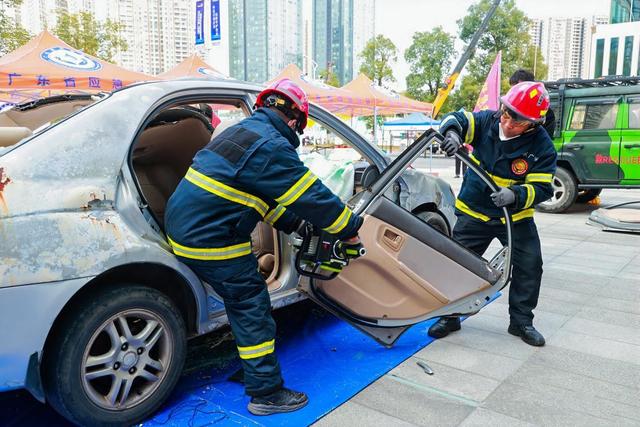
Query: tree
(84, 33)
(507, 32)
(329, 77)
(377, 57)
(429, 57)
(12, 35)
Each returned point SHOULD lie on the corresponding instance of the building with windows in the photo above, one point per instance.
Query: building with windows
(625, 11)
(615, 50)
(264, 36)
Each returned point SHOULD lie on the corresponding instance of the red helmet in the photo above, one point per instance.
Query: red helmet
(529, 100)
(293, 93)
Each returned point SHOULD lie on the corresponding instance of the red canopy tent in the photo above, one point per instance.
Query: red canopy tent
(383, 103)
(334, 99)
(48, 66)
(192, 66)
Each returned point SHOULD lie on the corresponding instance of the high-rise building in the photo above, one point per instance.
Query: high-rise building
(264, 36)
(615, 50)
(158, 32)
(565, 44)
(363, 29)
(625, 11)
(333, 37)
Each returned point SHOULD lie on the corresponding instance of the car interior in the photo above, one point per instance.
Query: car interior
(19, 123)
(164, 151)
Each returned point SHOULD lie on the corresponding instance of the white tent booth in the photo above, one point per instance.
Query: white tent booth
(399, 133)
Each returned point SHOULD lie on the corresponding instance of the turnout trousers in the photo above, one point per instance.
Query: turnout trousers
(248, 307)
(476, 235)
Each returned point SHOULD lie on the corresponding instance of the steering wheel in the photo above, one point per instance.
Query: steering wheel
(369, 176)
(181, 113)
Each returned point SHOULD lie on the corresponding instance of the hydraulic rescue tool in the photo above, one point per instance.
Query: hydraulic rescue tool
(323, 256)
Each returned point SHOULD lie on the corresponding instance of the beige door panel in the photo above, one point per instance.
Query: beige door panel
(400, 278)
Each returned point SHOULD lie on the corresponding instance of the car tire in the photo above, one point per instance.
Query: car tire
(586, 196)
(99, 372)
(435, 220)
(565, 191)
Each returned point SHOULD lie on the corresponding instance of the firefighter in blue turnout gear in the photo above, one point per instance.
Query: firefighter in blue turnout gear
(248, 173)
(514, 149)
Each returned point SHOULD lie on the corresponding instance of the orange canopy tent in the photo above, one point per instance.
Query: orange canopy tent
(192, 66)
(48, 66)
(334, 99)
(383, 103)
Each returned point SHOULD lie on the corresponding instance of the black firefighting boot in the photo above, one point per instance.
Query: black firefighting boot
(283, 400)
(444, 326)
(528, 334)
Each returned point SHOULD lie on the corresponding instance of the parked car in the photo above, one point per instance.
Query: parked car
(101, 308)
(597, 137)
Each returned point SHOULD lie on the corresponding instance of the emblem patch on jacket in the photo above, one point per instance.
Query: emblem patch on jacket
(519, 166)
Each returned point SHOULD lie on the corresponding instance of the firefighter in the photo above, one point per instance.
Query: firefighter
(516, 151)
(520, 76)
(248, 173)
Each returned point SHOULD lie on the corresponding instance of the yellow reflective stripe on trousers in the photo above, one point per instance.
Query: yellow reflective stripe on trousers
(226, 192)
(527, 213)
(211, 254)
(539, 177)
(340, 223)
(531, 193)
(462, 206)
(274, 214)
(471, 128)
(297, 189)
(259, 350)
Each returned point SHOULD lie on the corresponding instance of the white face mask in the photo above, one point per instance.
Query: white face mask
(502, 135)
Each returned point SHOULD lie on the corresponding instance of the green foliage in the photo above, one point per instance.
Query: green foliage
(83, 32)
(430, 56)
(507, 32)
(12, 35)
(378, 55)
(368, 122)
(330, 78)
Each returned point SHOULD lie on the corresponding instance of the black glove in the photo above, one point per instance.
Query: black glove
(350, 248)
(451, 143)
(503, 197)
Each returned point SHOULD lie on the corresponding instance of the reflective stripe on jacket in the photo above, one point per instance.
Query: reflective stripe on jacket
(250, 172)
(526, 164)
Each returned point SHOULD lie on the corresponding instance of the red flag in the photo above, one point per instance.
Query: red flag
(489, 98)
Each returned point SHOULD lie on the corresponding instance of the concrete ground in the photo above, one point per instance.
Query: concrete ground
(588, 374)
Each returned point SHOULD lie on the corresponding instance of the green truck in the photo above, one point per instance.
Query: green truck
(597, 137)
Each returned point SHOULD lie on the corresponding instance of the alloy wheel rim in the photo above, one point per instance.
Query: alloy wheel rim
(126, 359)
(559, 191)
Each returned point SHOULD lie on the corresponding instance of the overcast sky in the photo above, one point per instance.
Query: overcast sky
(399, 19)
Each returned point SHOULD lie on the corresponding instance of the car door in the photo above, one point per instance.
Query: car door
(629, 161)
(411, 272)
(592, 139)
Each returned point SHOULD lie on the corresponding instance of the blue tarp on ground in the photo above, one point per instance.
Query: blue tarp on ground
(325, 357)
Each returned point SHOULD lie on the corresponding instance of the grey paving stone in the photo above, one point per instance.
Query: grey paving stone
(552, 407)
(604, 330)
(547, 323)
(482, 417)
(588, 365)
(412, 403)
(565, 296)
(613, 304)
(611, 317)
(608, 349)
(577, 276)
(613, 399)
(552, 305)
(590, 262)
(504, 345)
(468, 359)
(570, 285)
(354, 414)
(621, 287)
(601, 271)
(450, 380)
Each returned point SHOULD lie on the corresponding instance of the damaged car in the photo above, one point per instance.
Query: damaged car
(105, 309)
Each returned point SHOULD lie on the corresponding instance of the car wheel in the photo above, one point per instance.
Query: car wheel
(565, 191)
(585, 196)
(435, 220)
(116, 358)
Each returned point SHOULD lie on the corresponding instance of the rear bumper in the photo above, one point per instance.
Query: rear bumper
(27, 314)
